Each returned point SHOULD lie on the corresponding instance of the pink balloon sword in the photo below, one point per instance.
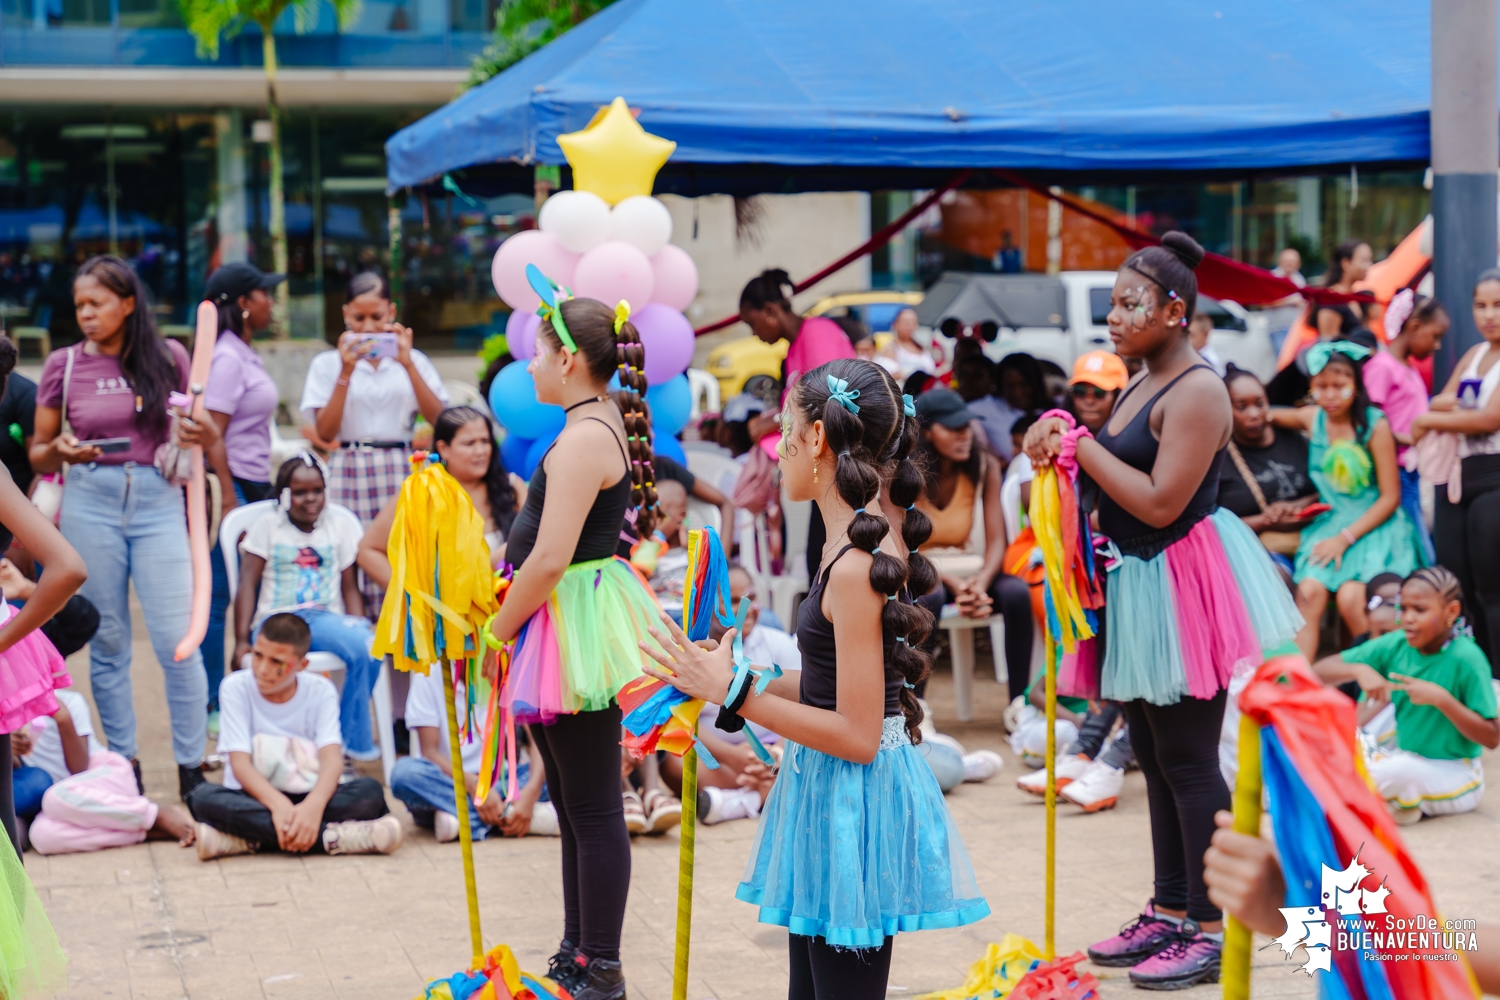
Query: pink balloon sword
(197, 507)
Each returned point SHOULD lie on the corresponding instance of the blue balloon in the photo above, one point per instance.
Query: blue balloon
(514, 403)
(671, 405)
(662, 444)
(513, 453)
(535, 453)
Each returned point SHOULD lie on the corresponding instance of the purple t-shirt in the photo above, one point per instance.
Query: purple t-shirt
(239, 386)
(1398, 389)
(101, 403)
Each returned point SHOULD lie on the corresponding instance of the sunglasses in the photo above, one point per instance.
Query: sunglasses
(1083, 391)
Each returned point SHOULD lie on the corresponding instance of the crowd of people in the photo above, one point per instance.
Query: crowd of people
(1271, 501)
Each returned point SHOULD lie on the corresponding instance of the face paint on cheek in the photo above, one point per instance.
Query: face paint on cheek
(1346, 393)
(1145, 304)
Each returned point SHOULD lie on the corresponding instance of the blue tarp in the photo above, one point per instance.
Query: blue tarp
(1028, 84)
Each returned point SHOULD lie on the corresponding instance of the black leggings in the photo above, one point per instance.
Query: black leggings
(1012, 599)
(1177, 747)
(582, 756)
(1466, 536)
(823, 972)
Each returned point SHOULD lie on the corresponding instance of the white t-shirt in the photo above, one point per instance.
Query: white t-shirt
(311, 714)
(380, 403)
(1018, 473)
(46, 744)
(304, 569)
(424, 707)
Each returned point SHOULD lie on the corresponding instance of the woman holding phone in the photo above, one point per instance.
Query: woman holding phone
(117, 509)
(366, 395)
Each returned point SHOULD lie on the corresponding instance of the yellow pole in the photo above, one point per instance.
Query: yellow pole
(461, 803)
(1237, 938)
(1049, 674)
(689, 835)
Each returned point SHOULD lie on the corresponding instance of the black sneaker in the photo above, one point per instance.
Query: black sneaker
(605, 982)
(568, 968)
(188, 778)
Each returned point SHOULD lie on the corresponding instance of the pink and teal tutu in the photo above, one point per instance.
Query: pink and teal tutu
(581, 647)
(1182, 623)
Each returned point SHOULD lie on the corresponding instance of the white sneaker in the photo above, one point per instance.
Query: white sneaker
(544, 820)
(1069, 769)
(1017, 712)
(945, 740)
(445, 826)
(982, 765)
(1097, 788)
(719, 805)
(927, 727)
(365, 836)
(215, 843)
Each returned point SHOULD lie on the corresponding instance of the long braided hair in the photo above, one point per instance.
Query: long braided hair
(607, 352)
(867, 444)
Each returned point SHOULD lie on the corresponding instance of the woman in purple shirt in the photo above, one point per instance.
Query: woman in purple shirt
(241, 397)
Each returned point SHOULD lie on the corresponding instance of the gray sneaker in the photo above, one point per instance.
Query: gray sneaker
(363, 836)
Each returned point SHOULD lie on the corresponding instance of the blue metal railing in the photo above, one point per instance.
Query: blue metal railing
(116, 46)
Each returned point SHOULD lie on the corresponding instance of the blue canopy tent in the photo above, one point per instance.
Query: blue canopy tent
(790, 95)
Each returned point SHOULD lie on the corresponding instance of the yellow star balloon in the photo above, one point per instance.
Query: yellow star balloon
(612, 156)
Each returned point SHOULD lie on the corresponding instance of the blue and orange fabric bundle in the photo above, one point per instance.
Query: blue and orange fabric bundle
(498, 978)
(1327, 815)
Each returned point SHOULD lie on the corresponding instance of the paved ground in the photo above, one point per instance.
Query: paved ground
(153, 922)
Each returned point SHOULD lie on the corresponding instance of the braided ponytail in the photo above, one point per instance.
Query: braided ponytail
(864, 443)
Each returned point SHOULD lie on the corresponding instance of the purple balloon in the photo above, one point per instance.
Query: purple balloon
(668, 339)
(520, 334)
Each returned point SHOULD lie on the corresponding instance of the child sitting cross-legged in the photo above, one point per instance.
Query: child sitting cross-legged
(424, 781)
(279, 727)
(1439, 683)
(82, 796)
(300, 559)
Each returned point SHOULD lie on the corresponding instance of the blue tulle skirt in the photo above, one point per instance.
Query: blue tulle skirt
(853, 853)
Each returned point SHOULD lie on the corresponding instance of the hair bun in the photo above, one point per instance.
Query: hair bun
(1184, 248)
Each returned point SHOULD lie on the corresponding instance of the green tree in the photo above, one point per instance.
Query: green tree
(522, 27)
(207, 20)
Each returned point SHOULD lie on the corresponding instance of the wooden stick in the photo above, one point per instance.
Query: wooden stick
(461, 803)
(688, 832)
(1247, 787)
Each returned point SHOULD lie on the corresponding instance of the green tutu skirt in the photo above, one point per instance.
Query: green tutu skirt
(32, 963)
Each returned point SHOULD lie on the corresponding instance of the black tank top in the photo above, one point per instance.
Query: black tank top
(1136, 446)
(820, 687)
(601, 528)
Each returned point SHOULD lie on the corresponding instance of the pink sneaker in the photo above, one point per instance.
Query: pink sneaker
(1138, 940)
(1188, 960)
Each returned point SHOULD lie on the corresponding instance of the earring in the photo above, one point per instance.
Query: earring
(565, 380)
(244, 314)
(815, 471)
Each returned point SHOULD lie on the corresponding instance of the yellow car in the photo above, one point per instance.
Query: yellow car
(735, 362)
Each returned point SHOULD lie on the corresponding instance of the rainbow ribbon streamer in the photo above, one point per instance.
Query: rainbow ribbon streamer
(1330, 823)
(657, 715)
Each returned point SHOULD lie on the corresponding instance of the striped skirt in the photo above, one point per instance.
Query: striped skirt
(365, 480)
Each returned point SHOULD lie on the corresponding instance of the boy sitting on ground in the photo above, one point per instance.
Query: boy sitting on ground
(1439, 684)
(280, 728)
(424, 781)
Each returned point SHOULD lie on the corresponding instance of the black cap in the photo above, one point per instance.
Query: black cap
(943, 406)
(233, 280)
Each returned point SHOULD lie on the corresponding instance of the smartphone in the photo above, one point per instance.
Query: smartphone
(1314, 509)
(382, 345)
(109, 446)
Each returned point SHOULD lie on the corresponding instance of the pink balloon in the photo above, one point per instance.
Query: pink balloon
(668, 339)
(612, 271)
(676, 277)
(531, 246)
(520, 334)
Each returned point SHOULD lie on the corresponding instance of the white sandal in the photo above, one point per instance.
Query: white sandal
(635, 812)
(662, 810)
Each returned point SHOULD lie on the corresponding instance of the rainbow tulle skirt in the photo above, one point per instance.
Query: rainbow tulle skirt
(854, 853)
(580, 648)
(1185, 621)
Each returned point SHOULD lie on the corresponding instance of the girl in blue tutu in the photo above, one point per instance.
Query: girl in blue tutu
(855, 842)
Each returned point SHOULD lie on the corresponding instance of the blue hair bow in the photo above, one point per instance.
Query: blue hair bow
(551, 306)
(838, 389)
(908, 406)
(1319, 353)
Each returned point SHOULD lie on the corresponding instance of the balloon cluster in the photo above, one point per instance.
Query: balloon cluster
(607, 240)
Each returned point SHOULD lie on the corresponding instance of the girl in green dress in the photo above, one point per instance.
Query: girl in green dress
(1352, 461)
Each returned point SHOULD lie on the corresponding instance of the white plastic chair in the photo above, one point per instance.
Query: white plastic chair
(788, 589)
(284, 449)
(231, 530)
(461, 393)
(705, 390)
(704, 515)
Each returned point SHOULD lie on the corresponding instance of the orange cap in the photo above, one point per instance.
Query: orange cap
(1101, 368)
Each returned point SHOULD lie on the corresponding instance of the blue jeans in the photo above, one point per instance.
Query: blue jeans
(245, 492)
(425, 789)
(29, 784)
(1411, 500)
(129, 523)
(348, 638)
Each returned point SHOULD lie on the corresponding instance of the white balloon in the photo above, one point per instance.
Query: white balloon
(642, 221)
(579, 219)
